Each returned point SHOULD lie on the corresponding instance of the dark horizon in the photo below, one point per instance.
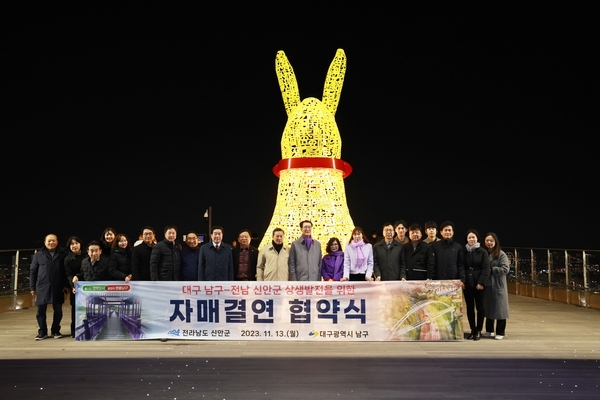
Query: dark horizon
(130, 116)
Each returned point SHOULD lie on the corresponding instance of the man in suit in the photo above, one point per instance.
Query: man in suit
(216, 258)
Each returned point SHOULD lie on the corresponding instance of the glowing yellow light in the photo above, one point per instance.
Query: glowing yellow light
(311, 191)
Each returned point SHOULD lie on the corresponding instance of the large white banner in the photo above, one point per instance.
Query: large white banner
(335, 311)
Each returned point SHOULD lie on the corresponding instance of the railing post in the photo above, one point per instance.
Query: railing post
(585, 270)
(517, 276)
(584, 297)
(568, 271)
(550, 266)
(516, 262)
(15, 281)
(533, 272)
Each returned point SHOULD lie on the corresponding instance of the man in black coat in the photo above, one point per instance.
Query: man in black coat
(165, 260)
(449, 263)
(48, 285)
(419, 256)
(94, 267)
(140, 255)
(388, 257)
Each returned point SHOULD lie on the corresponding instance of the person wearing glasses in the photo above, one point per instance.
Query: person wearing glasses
(245, 257)
(140, 255)
(190, 254)
(388, 257)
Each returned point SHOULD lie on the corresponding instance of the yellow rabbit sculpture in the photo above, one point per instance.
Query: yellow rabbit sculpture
(311, 172)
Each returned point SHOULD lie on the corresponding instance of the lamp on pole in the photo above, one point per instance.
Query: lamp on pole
(208, 217)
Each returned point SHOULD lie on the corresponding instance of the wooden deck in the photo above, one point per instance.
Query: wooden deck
(551, 351)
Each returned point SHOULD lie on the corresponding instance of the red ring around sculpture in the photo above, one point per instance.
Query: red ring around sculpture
(313, 162)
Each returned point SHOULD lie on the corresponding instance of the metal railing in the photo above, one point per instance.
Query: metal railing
(14, 274)
(569, 270)
(576, 270)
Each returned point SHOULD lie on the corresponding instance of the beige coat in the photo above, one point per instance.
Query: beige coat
(272, 266)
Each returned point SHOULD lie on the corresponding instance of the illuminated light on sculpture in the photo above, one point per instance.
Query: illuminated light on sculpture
(311, 172)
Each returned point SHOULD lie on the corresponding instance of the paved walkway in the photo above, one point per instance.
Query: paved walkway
(552, 351)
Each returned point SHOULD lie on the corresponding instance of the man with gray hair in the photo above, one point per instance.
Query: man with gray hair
(305, 256)
(273, 259)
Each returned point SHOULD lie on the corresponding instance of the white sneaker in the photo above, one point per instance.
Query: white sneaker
(499, 337)
(489, 334)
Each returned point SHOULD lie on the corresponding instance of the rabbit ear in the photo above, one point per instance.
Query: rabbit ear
(287, 82)
(334, 81)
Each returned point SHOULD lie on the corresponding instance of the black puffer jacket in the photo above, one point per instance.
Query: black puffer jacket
(165, 261)
(477, 267)
(119, 264)
(73, 266)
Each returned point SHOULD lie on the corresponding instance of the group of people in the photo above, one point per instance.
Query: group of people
(401, 253)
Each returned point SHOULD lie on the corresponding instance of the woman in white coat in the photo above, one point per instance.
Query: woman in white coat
(358, 257)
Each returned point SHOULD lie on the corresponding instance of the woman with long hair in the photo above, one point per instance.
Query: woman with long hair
(73, 268)
(477, 270)
(106, 241)
(119, 263)
(496, 294)
(358, 259)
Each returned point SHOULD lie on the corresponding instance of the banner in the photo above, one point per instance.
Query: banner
(326, 311)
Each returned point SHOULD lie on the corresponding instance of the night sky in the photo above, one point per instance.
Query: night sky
(133, 115)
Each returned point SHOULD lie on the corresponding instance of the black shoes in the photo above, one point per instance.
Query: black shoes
(474, 335)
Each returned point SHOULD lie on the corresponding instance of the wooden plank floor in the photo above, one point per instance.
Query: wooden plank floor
(551, 351)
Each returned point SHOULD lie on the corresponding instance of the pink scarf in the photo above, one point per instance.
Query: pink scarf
(360, 256)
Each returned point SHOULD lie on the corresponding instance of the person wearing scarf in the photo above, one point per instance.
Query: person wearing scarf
(305, 258)
(358, 259)
(332, 267)
(477, 268)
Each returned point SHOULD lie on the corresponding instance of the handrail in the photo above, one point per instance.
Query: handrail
(575, 269)
(572, 270)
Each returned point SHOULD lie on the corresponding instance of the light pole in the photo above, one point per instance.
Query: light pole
(208, 218)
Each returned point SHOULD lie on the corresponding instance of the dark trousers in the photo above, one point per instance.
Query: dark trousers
(500, 326)
(357, 277)
(474, 300)
(41, 318)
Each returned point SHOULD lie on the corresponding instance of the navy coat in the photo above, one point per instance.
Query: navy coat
(213, 265)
